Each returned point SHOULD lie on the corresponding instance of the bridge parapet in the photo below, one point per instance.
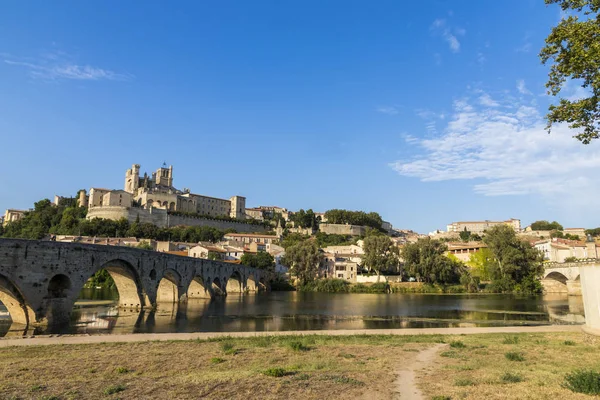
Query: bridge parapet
(41, 280)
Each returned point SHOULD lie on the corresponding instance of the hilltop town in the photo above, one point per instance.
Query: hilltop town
(151, 213)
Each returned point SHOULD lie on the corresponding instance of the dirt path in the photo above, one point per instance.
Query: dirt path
(142, 337)
(406, 384)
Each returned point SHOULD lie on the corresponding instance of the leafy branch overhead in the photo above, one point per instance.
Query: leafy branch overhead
(573, 49)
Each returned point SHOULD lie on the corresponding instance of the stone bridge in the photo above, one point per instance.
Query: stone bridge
(563, 277)
(41, 280)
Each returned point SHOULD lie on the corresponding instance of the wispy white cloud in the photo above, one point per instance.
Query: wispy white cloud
(389, 110)
(59, 66)
(507, 151)
(481, 59)
(526, 45)
(441, 28)
(522, 88)
(486, 100)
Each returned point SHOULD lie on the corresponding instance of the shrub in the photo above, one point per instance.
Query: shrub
(216, 360)
(441, 398)
(569, 343)
(228, 348)
(511, 340)
(583, 381)
(122, 370)
(275, 372)
(464, 382)
(457, 344)
(326, 285)
(449, 354)
(297, 345)
(514, 356)
(37, 388)
(112, 389)
(511, 378)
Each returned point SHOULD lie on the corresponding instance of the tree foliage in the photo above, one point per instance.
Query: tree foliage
(291, 239)
(304, 219)
(371, 219)
(303, 259)
(573, 48)
(481, 262)
(517, 265)
(324, 239)
(544, 225)
(465, 235)
(594, 232)
(380, 254)
(425, 260)
(260, 260)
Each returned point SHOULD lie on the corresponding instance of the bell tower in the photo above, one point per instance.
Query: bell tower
(132, 179)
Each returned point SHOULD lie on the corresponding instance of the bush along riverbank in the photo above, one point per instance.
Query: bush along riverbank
(343, 286)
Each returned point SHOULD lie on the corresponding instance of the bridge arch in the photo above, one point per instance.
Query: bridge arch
(557, 276)
(197, 289)
(235, 283)
(12, 298)
(168, 289)
(127, 281)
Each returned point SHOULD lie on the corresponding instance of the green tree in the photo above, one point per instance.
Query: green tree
(380, 254)
(465, 235)
(292, 239)
(517, 265)
(305, 219)
(145, 245)
(594, 232)
(303, 259)
(544, 225)
(213, 255)
(573, 48)
(261, 260)
(337, 216)
(324, 239)
(425, 260)
(480, 263)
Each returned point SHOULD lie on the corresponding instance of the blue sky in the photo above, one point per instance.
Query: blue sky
(426, 112)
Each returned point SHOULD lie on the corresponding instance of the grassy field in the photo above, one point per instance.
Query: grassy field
(493, 366)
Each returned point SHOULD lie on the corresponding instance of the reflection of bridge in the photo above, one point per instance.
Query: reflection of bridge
(40, 281)
(563, 278)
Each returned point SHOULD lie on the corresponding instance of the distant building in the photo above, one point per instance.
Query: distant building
(480, 227)
(157, 191)
(339, 266)
(463, 251)
(246, 238)
(557, 250)
(12, 215)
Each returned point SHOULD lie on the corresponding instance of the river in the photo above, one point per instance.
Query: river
(96, 312)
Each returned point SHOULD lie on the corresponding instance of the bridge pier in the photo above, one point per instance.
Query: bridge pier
(574, 287)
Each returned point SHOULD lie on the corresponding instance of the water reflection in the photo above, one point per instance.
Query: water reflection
(96, 312)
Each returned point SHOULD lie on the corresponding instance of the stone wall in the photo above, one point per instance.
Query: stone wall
(159, 217)
(343, 229)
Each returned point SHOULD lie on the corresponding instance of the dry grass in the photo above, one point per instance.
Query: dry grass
(301, 367)
(491, 374)
(359, 367)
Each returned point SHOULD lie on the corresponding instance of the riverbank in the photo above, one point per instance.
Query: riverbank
(308, 366)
